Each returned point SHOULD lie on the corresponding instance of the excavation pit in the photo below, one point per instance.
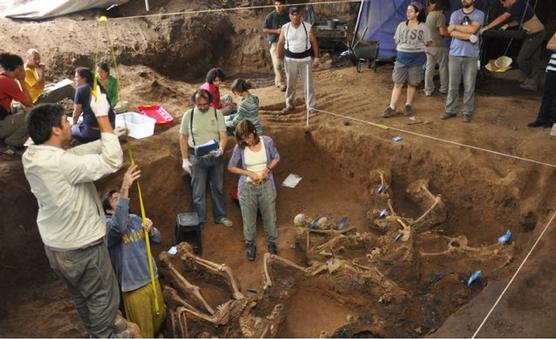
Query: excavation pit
(427, 268)
(425, 265)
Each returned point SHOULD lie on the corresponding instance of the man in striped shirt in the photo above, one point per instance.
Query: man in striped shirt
(547, 112)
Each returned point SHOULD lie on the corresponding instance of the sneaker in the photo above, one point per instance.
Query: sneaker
(225, 221)
(443, 92)
(272, 249)
(287, 110)
(251, 251)
(312, 110)
(447, 116)
(428, 94)
(389, 112)
(283, 88)
(466, 118)
(407, 110)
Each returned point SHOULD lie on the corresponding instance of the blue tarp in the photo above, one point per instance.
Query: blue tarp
(383, 16)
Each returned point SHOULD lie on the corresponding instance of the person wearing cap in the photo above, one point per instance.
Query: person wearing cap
(463, 58)
(273, 26)
(529, 58)
(547, 111)
(298, 45)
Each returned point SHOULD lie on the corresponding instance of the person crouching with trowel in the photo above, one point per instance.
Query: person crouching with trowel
(125, 239)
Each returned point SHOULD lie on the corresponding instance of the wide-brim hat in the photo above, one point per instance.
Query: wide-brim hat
(502, 64)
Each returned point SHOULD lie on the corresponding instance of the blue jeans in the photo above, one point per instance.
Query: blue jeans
(211, 169)
(459, 67)
(83, 133)
(253, 198)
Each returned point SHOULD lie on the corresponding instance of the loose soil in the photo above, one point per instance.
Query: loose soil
(485, 193)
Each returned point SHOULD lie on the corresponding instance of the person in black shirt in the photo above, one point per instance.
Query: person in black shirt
(520, 13)
(272, 25)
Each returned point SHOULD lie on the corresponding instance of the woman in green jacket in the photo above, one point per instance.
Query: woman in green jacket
(108, 82)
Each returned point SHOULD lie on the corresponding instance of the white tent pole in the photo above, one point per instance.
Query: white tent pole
(357, 23)
(147, 5)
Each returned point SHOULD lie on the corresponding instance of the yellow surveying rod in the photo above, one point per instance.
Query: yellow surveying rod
(132, 160)
(147, 239)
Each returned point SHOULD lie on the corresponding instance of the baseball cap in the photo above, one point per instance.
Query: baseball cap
(294, 9)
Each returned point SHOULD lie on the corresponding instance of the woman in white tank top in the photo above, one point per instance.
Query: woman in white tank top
(253, 159)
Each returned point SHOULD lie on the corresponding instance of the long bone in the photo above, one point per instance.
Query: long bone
(336, 232)
(183, 324)
(462, 247)
(221, 269)
(268, 257)
(184, 283)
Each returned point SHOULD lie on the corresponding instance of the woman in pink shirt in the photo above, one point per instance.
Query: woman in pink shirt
(214, 78)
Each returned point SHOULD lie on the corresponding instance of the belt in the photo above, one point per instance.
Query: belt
(301, 55)
(84, 247)
(533, 34)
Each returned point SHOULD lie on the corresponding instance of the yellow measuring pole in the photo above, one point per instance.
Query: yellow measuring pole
(132, 161)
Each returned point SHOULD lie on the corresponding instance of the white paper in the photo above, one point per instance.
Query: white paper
(291, 181)
(208, 143)
(553, 130)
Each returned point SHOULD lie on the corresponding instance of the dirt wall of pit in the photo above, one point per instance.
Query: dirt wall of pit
(180, 47)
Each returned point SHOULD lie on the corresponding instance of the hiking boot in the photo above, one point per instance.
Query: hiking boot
(389, 112)
(447, 116)
(466, 118)
(536, 123)
(123, 334)
(225, 221)
(251, 251)
(271, 247)
(287, 110)
(12, 151)
(407, 111)
(529, 86)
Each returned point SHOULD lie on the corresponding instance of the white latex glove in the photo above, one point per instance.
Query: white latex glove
(120, 131)
(186, 165)
(316, 62)
(217, 153)
(504, 27)
(473, 39)
(99, 103)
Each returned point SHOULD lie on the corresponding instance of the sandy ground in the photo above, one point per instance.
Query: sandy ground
(485, 193)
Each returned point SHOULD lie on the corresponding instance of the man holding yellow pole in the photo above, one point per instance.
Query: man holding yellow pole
(70, 218)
